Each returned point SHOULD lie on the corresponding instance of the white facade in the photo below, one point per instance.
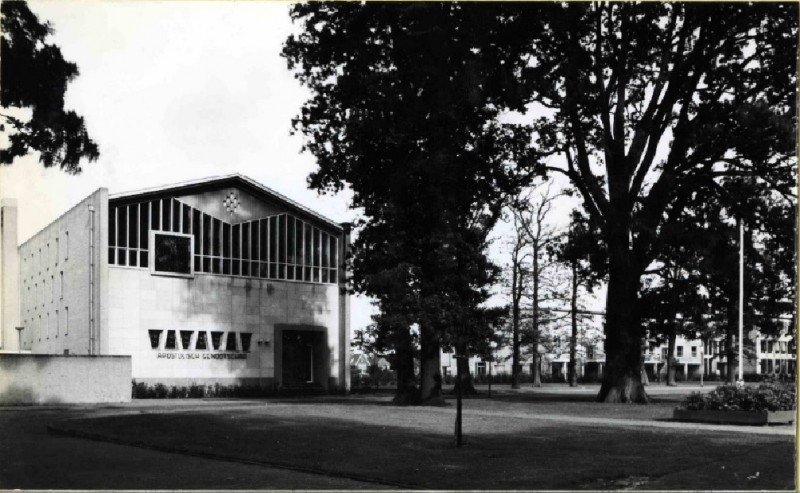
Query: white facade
(214, 281)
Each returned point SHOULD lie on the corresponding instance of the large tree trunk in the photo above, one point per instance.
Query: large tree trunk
(464, 383)
(622, 381)
(460, 351)
(573, 341)
(645, 378)
(430, 367)
(516, 291)
(407, 392)
(671, 356)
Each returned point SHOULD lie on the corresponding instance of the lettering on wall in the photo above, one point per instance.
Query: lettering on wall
(201, 356)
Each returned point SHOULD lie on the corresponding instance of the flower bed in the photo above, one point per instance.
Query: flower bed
(762, 404)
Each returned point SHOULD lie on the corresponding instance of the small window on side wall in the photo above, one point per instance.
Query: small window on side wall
(172, 254)
(216, 339)
(230, 343)
(170, 344)
(155, 338)
(246, 337)
(186, 338)
(201, 343)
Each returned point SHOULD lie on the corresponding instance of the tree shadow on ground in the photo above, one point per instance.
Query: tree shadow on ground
(419, 453)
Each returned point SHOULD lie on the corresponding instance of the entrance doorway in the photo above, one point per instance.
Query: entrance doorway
(302, 358)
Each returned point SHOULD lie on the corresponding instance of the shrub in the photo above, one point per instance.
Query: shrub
(764, 397)
(196, 391)
(142, 391)
(373, 380)
(161, 391)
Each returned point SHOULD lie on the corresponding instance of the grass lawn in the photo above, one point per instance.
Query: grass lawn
(367, 438)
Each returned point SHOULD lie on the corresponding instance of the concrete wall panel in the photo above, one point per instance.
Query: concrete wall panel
(140, 301)
(54, 379)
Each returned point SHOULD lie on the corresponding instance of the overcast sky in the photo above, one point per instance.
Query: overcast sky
(174, 91)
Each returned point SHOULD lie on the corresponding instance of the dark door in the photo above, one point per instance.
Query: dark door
(298, 357)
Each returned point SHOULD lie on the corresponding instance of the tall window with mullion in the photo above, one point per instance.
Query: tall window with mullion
(334, 260)
(112, 236)
(133, 235)
(324, 257)
(144, 234)
(236, 246)
(263, 248)
(280, 247)
(316, 259)
(175, 227)
(198, 240)
(308, 251)
(122, 235)
(273, 247)
(254, 253)
(166, 215)
(205, 232)
(246, 249)
(226, 248)
(216, 235)
(291, 243)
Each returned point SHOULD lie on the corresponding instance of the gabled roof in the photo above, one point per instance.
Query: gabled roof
(235, 179)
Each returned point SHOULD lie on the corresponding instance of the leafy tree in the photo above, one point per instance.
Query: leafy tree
(517, 284)
(404, 111)
(672, 307)
(581, 251)
(769, 280)
(546, 285)
(647, 103)
(702, 252)
(35, 77)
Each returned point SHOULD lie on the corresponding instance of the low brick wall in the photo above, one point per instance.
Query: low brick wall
(69, 379)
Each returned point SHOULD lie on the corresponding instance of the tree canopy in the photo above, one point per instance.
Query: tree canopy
(404, 112)
(642, 106)
(35, 76)
(649, 104)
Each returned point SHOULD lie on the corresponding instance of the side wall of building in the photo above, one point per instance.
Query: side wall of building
(9, 276)
(63, 271)
(140, 302)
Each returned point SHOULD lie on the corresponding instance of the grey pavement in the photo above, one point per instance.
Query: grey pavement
(31, 458)
(788, 430)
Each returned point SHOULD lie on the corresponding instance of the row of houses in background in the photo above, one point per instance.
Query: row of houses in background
(764, 355)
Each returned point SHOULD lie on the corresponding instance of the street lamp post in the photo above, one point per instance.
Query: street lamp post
(19, 338)
(741, 302)
(492, 347)
(702, 361)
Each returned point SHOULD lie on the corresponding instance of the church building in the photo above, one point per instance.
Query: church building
(220, 280)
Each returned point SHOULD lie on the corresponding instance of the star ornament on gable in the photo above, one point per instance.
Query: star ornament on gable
(231, 203)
